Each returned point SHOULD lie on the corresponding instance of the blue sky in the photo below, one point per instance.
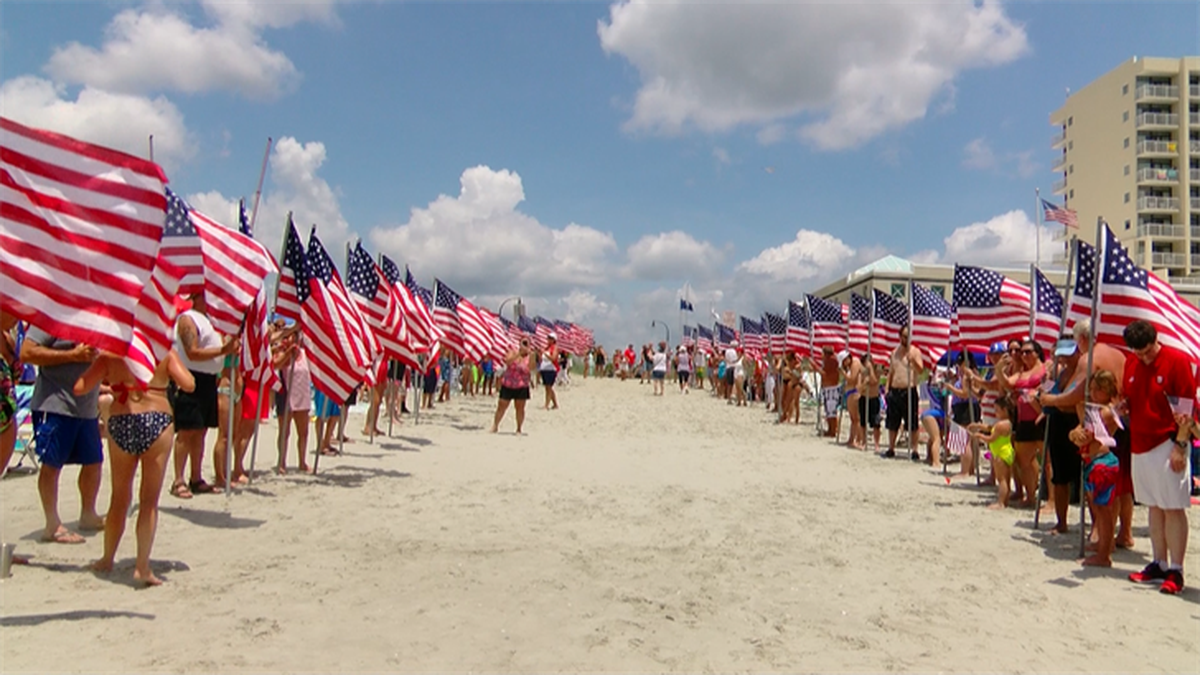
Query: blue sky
(609, 152)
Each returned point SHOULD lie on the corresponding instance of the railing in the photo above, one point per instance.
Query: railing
(1194, 91)
(1195, 260)
(1194, 147)
(1156, 147)
(1158, 119)
(1184, 281)
(1168, 259)
(1160, 230)
(1059, 165)
(1058, 139)
(1194, 174)
(1059, 186)
(1158, 175)
(1193, 118)
(1158, 204)
(1156, 91)
(1195, 203)
(1062, 234)
(1195, 231)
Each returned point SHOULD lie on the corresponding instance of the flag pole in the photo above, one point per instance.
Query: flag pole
(1072, 247)
(262, 386)
(1037, 228)
(1101, 245)
(912, 433)
(151, 144)
(262, 174)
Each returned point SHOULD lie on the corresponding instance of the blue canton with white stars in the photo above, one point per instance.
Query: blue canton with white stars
(178, 222)
(927, 303)
(975, 287)
(295, 260)
(860, 308)
(320, 266)
(1118, 267)
(776, 324)
(889, 309)
(390, 271)
(797, 317)
(1049, 300)
(1085, 280)
(824, 311)
(360, 274)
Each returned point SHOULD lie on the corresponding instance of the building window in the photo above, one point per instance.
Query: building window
(1127, 141)
(898, 290)
(1070, 145)
(1126, 197)
(1071, 194)
(939, 290)
(1071, 169)
(1071, 121)
(1126, 169)
(1127, 224)
(1124, 89)
(1125, 116)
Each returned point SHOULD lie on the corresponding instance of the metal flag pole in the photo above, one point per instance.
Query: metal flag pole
(1042, 483)
(1101, 246)
(1037, 230)
(912, 433)
(285, 418)
(322, 421)
(151, 143)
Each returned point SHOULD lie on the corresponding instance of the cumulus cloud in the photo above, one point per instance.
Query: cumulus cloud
(480, 241)
(154, 50)
(671, 255)
(259, 14)
(119, 121)
(860, 69)
(810, 255)
(294, 185)
(1007, 240)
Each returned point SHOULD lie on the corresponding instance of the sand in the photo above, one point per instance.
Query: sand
(624, 533)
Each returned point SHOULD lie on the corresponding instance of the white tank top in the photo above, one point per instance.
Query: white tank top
(206, 338)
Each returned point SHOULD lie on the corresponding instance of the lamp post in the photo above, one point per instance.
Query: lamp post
(664, 325)
(500, 311)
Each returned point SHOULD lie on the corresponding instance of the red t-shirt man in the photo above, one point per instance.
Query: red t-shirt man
(1146, 387)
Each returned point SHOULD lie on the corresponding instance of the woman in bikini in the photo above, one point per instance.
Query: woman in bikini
(1028, 431)
(140, 432)
(8, 391)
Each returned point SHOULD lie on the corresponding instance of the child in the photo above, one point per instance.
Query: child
(1102, 469)
(999, 440)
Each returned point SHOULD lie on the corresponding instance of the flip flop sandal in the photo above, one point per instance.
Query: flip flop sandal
(201, 487)
(181, 490)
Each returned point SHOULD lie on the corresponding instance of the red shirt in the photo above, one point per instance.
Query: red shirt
(1151, 422)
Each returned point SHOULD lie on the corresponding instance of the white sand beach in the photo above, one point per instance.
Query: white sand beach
(624, 533)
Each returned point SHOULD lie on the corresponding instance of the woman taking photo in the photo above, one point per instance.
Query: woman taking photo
(514, 386)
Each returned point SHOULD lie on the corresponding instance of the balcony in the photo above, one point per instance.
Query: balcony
(1157, 204)
(1195, 260)
(1157, 120)
(1168, 259)
(1161, 230)
(1150, 175)
(1195, 231)
(1194, 175)
(1059, 186)
(1195, 203)
(1194, 91)
(1184, 281)
(1194, 147)
(1058, 140)
(1147, 91)
(1193, 118)
(1157, 148)
(1062, 234)
(1060, 165)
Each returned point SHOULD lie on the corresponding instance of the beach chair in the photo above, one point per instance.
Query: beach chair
(24, 421)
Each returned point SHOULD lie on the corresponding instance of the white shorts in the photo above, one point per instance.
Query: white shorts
(831, 397)
(1155, 484)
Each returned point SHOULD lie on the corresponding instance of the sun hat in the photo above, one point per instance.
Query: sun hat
(843, 355)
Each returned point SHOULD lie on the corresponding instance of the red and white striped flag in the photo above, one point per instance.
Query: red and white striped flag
(340, 342)
(378, 303)
(256, 361)
(930, 323)
(80, 227)
(859, 332)
(502, 336)
(989, 307)
(291, 273)
(829, 327)
(957, 439)
(154, 321)
(889, 317)
(465, 330)
(418, 319)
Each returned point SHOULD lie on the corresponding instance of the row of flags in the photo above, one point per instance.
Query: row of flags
(986, 307)
(95, 248)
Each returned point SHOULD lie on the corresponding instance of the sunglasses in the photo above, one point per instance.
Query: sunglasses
(1028, 351)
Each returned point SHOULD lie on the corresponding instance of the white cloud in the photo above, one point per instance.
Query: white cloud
(671, 255)
(118, 121)
(479, 240)
(978, 154)
(810, 256)
(862, 68)
(1007, 240)
(294, 185)
(257, 13)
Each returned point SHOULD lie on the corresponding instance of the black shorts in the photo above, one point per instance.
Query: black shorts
(510, 394)
(684, 375)
(1029, 431)
(548, 377)
(396, 370)
(729, 377)
(868, 411)
(897, 407)
(352, 400)
(964, 413)
(1064, 455)
(430, 383)
(197, 410)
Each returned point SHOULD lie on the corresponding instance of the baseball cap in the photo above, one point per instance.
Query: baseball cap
(998, 348)
(734, 343)
(1065, 348)
(552, 336)
(843, 355)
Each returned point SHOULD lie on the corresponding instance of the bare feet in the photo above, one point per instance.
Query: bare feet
(305, 469)
(91, 523)
(1096, 561)
(281, 470)
(1126, 544)
(102, 565)
(62, 536)
(147, 578)
(494, 430)
(1060, 529)
(996, 506)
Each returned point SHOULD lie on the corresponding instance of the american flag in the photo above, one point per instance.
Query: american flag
(515, 334)
(292, 275)
(890, 315)
(754, 337)
(541, 333)
(418, 320)
(860, 324)
(80, 227)
(957, 439)
(1059, 214)
(232, 265)
(1095, 424)
(378, 303)
(502, 339)
(725, 336)
(256, 361)
(828, 326)
(154, 321)
(930, 323)
(527, 327)
(989, 307)
(704, 340)
(777, 330)
(689, 336)
(1080, 306)
(1128, 293)
(243, 221)
(798, 338)
(340, 342)
(1049, 305)
(567, 341)
(460, 320)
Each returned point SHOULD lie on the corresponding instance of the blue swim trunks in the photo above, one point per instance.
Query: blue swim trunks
(62, 440)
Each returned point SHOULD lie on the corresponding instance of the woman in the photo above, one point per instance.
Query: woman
(683, 368)
(514, 386)
(429, 384)
(8, 390)
(933, 419)
(600, 362)
(658, 369)
(1028, 431)
(964, 409)
(548, 369)
(229, 371)
(140, 432)
(297, 401)
(739, 378)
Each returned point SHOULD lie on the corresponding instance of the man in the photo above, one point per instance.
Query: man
(630, 360)
(868, 404)
(1060, 406)
(1159, 386)
(732, 359)
(201, 350)
(67, 429)
(905, 366)
(852, 370)
(831, 390)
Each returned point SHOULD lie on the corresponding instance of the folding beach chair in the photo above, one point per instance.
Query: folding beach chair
(24, 421)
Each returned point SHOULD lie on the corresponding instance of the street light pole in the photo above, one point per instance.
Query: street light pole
(664, 325)
(500, 311)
